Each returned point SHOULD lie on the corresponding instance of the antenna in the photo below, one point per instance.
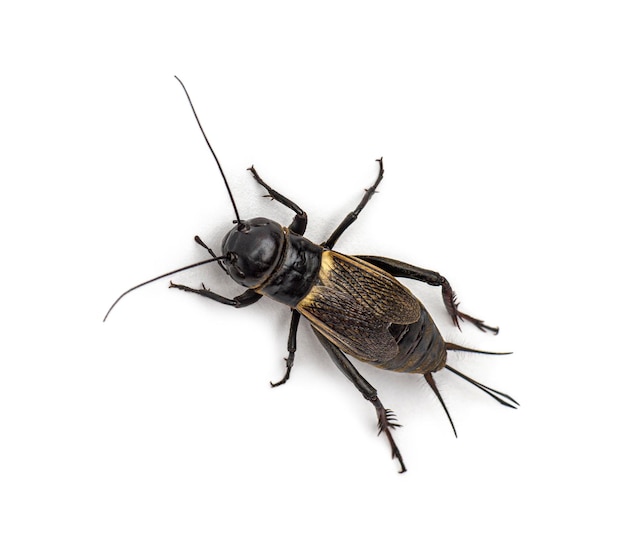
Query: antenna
(214, 259)
(230, 194)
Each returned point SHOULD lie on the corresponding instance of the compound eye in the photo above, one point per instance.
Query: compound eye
(232, 258)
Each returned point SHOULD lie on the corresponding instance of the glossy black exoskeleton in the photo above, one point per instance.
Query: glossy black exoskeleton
(354, 304)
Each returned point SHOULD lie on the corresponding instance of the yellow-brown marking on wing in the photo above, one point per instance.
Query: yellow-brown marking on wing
(353, 305)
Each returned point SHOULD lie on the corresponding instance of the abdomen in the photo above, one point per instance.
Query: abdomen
(421, 348)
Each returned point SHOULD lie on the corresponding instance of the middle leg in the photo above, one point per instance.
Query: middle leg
(352, 216)
(291, 347)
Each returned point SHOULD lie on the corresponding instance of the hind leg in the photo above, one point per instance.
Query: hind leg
(401, 269)
(386, 417)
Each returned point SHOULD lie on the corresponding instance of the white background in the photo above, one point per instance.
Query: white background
(502, 126)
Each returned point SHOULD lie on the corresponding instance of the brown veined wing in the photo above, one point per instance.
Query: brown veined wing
(353, 304)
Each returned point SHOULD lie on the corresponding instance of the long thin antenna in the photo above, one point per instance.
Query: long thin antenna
(216, 259)
(232, 199)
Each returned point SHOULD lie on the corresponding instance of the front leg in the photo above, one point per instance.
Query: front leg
(401, 269)
(248, 298)
(298, 225)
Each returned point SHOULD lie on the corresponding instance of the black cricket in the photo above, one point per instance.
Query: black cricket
(354, 304)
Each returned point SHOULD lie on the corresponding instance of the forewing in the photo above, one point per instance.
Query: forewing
(353, 305)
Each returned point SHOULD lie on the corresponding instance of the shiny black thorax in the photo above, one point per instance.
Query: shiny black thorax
(296, 271)
(272, 260)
